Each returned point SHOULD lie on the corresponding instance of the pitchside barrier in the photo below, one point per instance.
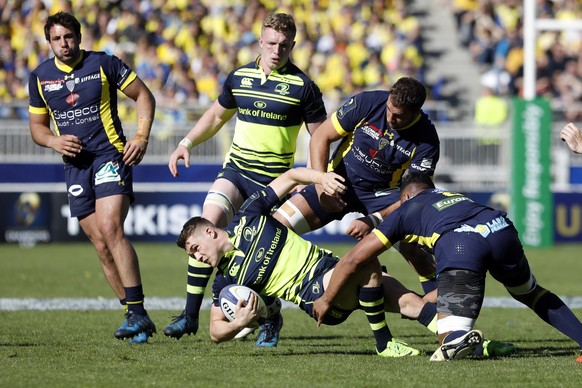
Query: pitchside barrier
(476, 161)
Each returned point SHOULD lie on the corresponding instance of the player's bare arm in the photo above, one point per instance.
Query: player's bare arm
(135, 149)
(42, 135)
(284, 183)
(320, 143)
(572, 135)
(360, 227)
(209, 124)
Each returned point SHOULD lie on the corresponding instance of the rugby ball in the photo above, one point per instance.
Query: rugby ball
(231, 294)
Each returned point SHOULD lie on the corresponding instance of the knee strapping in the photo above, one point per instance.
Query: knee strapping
(294, 217)
(528, 293)
(222, 201)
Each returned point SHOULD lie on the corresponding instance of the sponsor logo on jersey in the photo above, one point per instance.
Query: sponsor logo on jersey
(77, 116)
(372, 131)
(260, 104)
(282, 89)
(449, 201)
(269, 255)
(246, 82)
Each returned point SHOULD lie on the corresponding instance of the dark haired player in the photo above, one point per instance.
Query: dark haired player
(468, 240)
(382, 135)
(77, 91)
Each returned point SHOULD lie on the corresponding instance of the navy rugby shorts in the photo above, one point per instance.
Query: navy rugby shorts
(96, 177)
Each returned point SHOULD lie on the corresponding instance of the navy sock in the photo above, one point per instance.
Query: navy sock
(134, 297)
(552, 309)
(198, 278)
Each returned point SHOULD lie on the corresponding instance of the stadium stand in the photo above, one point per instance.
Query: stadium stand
(184, 49)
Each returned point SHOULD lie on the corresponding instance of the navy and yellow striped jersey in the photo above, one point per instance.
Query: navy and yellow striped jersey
(374, 155)
(270, 112)
(82, 99)
(425, 217)
(268, 257)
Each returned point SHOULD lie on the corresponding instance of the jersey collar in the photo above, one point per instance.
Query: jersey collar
(67, 68)
(412, 123)
(264, 76)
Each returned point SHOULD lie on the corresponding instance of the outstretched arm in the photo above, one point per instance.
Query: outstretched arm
(572, 135)
(319, 145)
(332, 183)
(367, 249)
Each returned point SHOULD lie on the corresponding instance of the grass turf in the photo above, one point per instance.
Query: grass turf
(77, 348)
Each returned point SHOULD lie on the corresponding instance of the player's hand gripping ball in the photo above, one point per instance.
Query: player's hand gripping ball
(228, 299)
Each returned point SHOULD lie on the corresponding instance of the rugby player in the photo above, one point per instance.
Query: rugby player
(259, 252)
(77, 91)
(272, 99)
(468, 240)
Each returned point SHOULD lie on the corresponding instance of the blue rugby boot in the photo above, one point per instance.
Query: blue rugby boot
(181, 324)
(269, 333)
(133, 325)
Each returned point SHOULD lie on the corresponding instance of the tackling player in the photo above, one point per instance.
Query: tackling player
(468, 240)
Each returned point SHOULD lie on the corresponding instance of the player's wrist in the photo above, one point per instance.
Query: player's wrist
(376, 218)
(186, 143)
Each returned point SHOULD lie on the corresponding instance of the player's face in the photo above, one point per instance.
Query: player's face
(64, 44)
(399, 117)
(202, 247)
(275, 49)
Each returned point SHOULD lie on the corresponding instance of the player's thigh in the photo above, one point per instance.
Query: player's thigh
(111, 211)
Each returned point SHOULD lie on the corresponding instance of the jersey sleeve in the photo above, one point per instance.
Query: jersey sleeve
(314, 110)
(36, 104)
(226, 98)
(220, 281)
(118, 72)
(425, 158)
(260, 202)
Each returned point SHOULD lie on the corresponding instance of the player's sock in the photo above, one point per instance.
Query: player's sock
(123, 303)
(428, 283)
(552, 309)
(198, 278)
(372, 302)
(134, 298)
(428, 316)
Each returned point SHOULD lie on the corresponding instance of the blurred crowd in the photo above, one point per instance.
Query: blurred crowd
(492, 31)
(183, 49)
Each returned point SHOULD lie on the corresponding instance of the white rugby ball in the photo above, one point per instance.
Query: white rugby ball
(231, 294)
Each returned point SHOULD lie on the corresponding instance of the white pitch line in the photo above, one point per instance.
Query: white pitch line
(154, 303)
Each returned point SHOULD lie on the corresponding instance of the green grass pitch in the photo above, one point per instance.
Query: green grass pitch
(67, 348)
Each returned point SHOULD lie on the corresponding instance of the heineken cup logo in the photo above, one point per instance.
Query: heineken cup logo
(532, 189)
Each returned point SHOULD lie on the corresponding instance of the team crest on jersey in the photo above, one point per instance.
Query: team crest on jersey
(345, 108)
(282, 89)
(233, 271)
(249, 233)
(383, 143)
(259, 255)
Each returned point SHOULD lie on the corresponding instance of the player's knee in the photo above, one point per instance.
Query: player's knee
(292, 217)
(528, 293)
(221, 201)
